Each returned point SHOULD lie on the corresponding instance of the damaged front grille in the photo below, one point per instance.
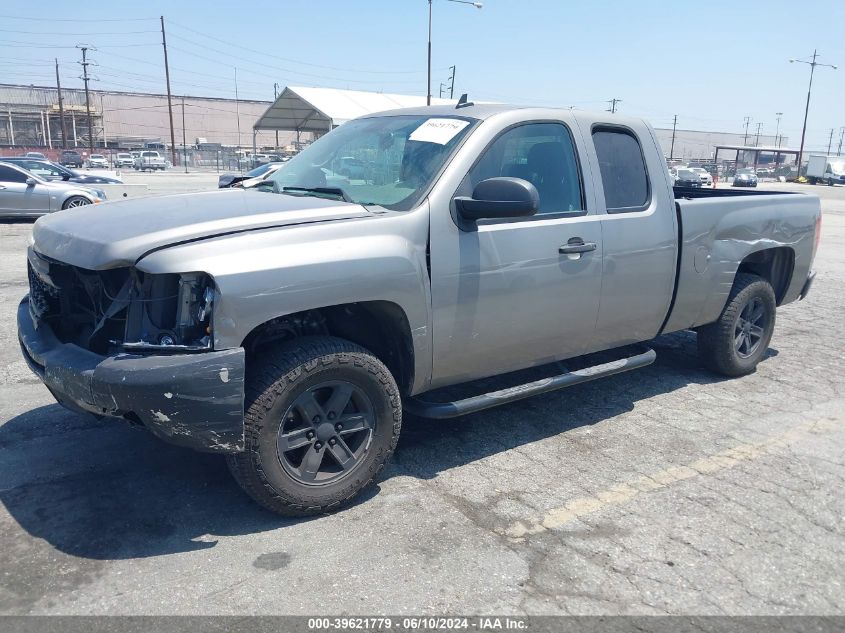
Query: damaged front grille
(108, 310)
(84, 307)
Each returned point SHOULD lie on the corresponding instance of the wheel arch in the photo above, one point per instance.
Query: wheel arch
(382, 327)
(775, 265)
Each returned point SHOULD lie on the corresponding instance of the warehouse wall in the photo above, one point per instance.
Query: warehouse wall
(130, 116)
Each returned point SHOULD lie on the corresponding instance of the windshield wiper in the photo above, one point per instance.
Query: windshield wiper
(326, 191)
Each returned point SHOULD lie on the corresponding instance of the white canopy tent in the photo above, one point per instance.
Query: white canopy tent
(319, 110)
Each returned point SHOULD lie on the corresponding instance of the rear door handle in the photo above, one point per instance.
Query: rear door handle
(575, 246)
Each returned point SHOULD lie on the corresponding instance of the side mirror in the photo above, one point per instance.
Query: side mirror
(31, 182)
(500, 197)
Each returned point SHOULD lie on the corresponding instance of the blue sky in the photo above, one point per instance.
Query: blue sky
(712, 63)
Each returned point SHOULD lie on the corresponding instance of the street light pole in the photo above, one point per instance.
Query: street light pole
(812, 65)
(777, 127)
(477, 5)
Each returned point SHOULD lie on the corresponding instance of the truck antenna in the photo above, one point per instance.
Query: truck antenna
(463, 103)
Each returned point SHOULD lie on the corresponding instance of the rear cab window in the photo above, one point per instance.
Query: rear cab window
(623, 170)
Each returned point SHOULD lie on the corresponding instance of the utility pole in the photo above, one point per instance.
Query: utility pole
(777, 128)
(452, 84)
(85, 78)
(169, 102)
(841, 134)
(276, 96)
(184, 140)
(674, 126)
(613, 102)
(812, 65)
(442, 85)
(477, 5)
(829, 141)
(757, 139)
(747, 121)
(237, 107)
(61, 107)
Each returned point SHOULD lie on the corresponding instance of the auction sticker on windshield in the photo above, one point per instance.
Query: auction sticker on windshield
(438, 130)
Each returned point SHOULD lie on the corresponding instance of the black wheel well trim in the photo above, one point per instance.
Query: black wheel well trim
(775, 265)
(379, 326)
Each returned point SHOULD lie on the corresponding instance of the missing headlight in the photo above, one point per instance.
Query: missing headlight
(170, 312)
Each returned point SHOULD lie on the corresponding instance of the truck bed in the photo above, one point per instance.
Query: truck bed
(719, 229)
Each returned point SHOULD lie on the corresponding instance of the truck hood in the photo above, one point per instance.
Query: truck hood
(118, 233)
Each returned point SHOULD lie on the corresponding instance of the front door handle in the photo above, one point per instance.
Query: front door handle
(576, 246)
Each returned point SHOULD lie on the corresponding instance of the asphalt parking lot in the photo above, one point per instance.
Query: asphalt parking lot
(666, 490)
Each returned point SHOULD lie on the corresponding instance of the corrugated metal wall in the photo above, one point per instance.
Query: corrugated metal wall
(128, 117)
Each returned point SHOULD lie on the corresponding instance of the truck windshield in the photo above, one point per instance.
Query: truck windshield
(388, 161)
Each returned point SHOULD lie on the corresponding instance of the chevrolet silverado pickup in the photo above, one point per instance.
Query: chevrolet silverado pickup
(289, 326)
(150, 160)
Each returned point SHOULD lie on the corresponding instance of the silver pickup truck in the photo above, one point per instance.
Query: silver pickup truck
(290, 325)
(150, 160)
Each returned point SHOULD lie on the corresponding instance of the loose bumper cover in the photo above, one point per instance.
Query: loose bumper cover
(193, 400)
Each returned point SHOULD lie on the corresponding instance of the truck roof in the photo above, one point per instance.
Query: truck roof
(486, 110)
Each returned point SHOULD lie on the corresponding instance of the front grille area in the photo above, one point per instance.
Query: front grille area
(107, 311)
(84, 307)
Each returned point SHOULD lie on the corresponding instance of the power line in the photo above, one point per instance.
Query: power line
(345, 80)
(89, 20)
(19, 44)
(74, 34)
(287, 59)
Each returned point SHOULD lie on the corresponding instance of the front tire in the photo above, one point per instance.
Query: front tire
(75, 201)
(735, 343)
(322, 417)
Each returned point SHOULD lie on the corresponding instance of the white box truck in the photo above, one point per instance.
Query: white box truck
(826, 169)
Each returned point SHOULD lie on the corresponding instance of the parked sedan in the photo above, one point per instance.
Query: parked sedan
(35, 155)
(704, 175)
(745, 178)
(687, 178)
(249, 179)
(51, 171)
(98, 161)
(23, 194)
(124, 159)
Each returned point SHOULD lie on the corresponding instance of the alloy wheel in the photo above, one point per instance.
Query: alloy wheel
(325, 433)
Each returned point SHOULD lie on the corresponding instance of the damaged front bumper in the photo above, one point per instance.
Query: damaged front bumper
(193, 400)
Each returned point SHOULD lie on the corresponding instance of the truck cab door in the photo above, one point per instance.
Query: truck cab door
(511, 293)
(639, 231)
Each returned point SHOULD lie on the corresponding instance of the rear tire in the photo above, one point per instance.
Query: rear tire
(735, 343)
(322, 417)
